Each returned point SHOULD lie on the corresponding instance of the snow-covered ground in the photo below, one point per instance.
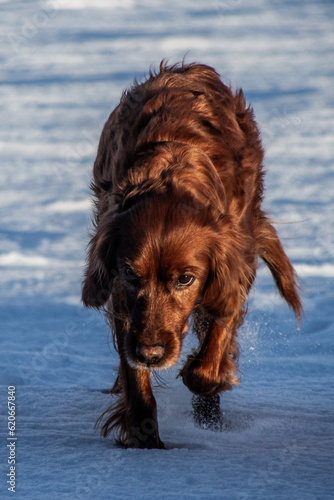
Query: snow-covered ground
(63, 66)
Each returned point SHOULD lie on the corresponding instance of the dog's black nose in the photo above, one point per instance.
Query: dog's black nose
(149, 354)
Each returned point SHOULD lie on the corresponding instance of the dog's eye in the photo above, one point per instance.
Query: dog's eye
(185, 280)
(131, 277)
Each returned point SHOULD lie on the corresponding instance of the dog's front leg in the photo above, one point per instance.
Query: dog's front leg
(213, 369)
(133, 417)
(140, 419)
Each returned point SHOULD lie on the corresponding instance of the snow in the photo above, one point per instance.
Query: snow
(63, 67)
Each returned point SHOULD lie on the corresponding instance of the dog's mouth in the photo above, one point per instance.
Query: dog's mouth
(157, 356)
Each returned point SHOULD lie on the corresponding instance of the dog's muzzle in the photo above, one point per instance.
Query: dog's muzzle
(149, 354)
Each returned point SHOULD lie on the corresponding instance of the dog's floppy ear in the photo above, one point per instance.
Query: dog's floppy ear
(101, 263)
(225, 291)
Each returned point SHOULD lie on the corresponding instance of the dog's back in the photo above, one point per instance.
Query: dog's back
(188, 104)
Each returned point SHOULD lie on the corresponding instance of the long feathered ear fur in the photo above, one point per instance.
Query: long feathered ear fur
(229, 279)
(101, 266)
(271, 251)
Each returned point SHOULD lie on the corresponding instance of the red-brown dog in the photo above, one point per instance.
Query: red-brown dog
(178, 185)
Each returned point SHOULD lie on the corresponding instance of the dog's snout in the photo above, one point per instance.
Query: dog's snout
(149, 354)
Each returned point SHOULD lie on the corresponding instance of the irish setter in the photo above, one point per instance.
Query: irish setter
(178, 186)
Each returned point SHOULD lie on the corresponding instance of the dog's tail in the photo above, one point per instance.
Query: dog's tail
(271, 251)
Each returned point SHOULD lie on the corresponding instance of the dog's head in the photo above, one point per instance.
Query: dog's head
(165, 252)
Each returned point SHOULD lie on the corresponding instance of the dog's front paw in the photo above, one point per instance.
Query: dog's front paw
(139, 439)
(202, 381)
(207, 413)
(143, 433)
